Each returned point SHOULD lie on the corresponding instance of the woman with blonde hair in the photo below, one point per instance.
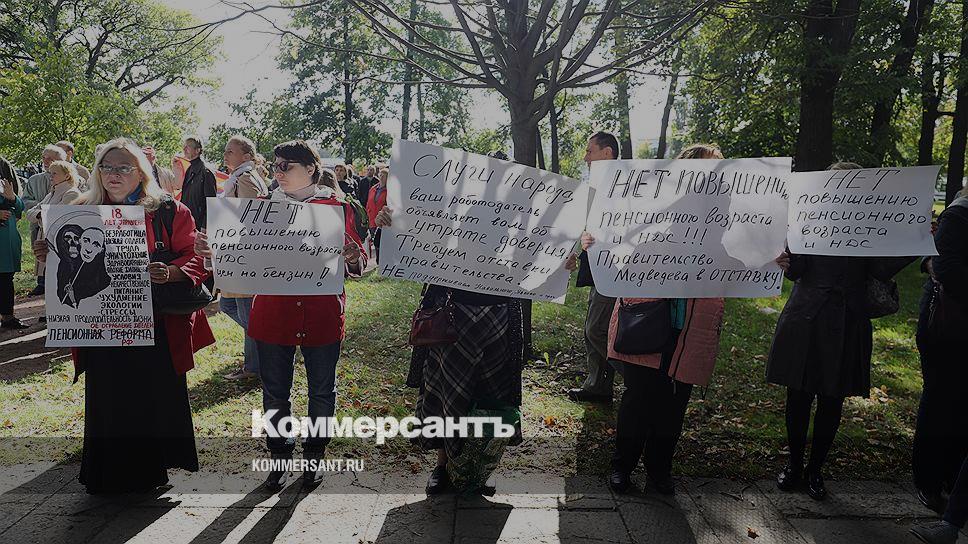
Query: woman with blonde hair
(658, 385)
(64, 189)
(244, 181)
(137, 418)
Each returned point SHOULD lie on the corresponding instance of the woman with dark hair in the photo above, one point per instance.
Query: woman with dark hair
(822, 350)
(137, 416)
(313, 323)
(11, 209)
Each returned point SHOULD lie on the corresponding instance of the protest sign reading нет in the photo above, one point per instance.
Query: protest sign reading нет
(480, 224)
(871, 212)
(688, 228)
(276, 246)
(97, 282)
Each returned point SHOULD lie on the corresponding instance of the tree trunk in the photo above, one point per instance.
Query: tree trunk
(553, 135)
(660, 149)
(930, 99)
(623, 110)
(827, 36)
(421, 135)
(407, 77)
(347, 92)
(540, 148)
(959, 126)
(881, 135)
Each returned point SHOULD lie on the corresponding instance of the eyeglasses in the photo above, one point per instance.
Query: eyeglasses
(123, 170)
(283, 166)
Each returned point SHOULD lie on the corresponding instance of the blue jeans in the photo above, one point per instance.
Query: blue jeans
(239, 309)
(276, 372)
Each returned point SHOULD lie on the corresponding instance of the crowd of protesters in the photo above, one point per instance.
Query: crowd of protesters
(821, 350)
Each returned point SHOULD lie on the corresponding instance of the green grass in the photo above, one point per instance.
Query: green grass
(734, 428)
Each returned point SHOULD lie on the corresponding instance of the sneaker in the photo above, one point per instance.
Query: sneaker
(241, 374)
(938, 532)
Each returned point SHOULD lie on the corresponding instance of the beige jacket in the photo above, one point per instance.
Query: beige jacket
(62, 193)
(247, 185)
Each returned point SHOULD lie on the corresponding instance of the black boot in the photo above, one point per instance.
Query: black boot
(790, 478)
(439, 481)
(277, 478)
(815, 486)
(620, 481)
(313, 477)
(664, 484)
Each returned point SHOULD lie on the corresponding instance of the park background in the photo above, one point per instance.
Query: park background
(883, 83)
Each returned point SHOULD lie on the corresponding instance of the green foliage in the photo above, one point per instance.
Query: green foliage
(745, 67)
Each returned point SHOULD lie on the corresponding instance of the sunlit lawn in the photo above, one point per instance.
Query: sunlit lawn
(734, 428)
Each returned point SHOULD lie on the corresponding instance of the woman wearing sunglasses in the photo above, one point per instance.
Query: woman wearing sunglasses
(314, 323)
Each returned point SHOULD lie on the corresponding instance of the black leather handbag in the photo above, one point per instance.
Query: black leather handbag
(882, 298)
(175, 297)
(643, 328)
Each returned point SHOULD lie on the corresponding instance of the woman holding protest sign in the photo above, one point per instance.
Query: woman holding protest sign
(137, 417)
(673, 348)
(313, 323)
(822, 349)
(244, 182)
(471, 369)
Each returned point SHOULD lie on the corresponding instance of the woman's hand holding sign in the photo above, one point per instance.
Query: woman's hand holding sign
(383, 217)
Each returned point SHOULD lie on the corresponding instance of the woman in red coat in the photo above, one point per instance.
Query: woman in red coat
(137, 418)
(314, 323)
(375, 202)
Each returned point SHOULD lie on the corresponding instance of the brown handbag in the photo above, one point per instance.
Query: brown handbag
(433, 325)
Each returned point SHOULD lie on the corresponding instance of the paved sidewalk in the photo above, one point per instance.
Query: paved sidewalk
(44, 503)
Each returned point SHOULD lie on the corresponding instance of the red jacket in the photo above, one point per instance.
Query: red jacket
(374, 204)
(697, 347)
(304, 320)
(186, 333)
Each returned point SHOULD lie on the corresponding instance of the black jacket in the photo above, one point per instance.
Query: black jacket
(363, 189)
(199, 184)
(950, 265)
(823, 337)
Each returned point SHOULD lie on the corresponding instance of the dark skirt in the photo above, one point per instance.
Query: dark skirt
(836, 359)
(482, 369)
(137, 418)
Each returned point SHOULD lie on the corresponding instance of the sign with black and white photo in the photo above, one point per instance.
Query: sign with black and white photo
(871, 212)
(97, 282)
(276, 246)
(480, 224)
(688, 228)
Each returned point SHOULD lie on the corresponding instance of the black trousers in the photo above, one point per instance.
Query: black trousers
(940, 436)
(6, 293)
(650, 420)
(957, 511)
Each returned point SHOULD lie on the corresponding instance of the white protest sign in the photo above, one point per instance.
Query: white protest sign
(276, 246)
(871, 212)
(688, 228)
(97, 282)
(480, 224)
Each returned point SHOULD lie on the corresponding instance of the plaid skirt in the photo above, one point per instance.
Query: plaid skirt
(484, 365)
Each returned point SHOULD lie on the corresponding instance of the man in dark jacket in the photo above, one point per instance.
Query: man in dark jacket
(597, 386)
(199, 182)
(365, 183)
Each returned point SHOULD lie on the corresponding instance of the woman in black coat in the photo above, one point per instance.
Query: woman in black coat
(822, 349)
(941, 434)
